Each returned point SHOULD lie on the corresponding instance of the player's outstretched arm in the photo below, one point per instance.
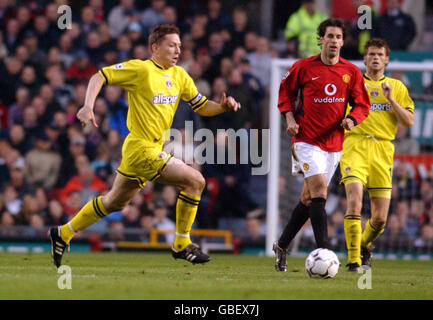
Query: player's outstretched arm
(85, 114)
(212, 108)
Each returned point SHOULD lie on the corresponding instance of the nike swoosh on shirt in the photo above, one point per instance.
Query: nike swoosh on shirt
(315, 78)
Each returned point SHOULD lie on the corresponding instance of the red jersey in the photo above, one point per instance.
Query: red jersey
(318, 95)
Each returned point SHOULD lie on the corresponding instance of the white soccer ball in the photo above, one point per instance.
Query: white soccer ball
(322, 263)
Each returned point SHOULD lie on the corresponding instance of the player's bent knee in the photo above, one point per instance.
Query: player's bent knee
(378, 222)
(112, 205)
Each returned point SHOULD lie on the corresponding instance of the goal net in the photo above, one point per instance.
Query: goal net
(283, 189)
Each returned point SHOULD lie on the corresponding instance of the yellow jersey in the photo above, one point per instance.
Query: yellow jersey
(381, 121)
(153, 95)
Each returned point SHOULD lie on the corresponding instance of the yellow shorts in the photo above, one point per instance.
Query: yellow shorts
(369, 161)
(142, 161)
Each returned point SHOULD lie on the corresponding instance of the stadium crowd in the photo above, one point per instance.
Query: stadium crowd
(50, 166)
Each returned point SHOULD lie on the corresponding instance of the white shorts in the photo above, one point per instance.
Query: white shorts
(309, 160)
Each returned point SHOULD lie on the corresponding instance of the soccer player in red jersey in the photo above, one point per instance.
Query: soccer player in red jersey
(313, 98)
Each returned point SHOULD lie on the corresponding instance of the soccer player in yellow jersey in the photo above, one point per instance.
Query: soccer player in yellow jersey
(154, 88)
(367, 158)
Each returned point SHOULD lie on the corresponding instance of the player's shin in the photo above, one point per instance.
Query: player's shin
(352, 232)
(186, 210)
(319, 222)
(297, 220)
(92, 212)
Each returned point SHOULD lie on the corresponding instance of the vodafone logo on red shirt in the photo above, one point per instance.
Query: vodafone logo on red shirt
(330, 90)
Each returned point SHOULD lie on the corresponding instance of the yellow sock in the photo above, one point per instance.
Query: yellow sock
(370, 234)
(352, 232)
(186, 209)
(92, 212)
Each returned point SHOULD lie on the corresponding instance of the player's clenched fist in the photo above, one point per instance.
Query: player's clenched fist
(347, 124)
(85, 114)
(387, 90)
(229, 103)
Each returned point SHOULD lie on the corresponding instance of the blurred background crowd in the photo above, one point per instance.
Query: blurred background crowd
(50, 166)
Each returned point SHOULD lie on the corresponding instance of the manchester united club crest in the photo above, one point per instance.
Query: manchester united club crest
(306, 167)
(346, 78)
(168, 84)
(374, 93)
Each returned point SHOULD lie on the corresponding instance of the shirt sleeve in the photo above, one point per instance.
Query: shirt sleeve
(191, 95)
(124, 75)
(359, 99)
(288, 92)
(403, 98)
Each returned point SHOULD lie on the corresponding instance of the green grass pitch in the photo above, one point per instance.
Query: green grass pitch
(157, 276)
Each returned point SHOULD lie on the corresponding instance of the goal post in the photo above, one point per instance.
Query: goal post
(279, 156)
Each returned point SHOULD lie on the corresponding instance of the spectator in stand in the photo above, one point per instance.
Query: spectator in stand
(153, 16)
(18, 140)
(29, 207)
(393, 227)
(134, 33)
(68, 169)
(24, 17)
(250, 81)
(118, 110)
(82, 69)
(121, 16)
(13, 202)
(87, 22)
(9, 78)
(131, 216)
(56, 215)
(260, 61)
(124, 48)
(98, 10)
(66, 50)
(162, 222)
(235, 32)
(196, 73)
(73, 203)
(12, 35)
(37, 57)
(42, 165)
(95, 49)
(247, 115)
(255, 235)
(395, 26)
(218, 19)
(250, 41)
(63, 93)
(406, 184)
(6, 219)
(16, 110)
(403, 143)
(301, 28)
(29, 80)
(86, 182)
(46, 38)
(426, 190)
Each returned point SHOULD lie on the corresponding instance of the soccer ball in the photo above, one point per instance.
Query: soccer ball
(322, 263)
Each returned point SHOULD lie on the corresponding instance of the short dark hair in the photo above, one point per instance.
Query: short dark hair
(331, 22)
(379, 43)
(159, 32)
